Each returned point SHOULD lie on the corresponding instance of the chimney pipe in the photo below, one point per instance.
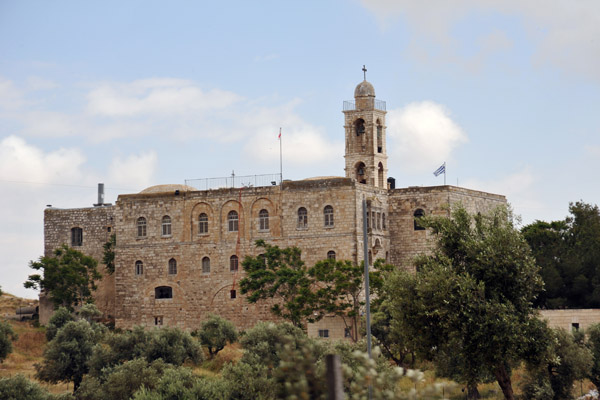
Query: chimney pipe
(100, 194)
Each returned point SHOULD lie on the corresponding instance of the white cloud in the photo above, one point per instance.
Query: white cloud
(421, 136)
(136, 170)
(302, 142)
(564, 31)
(22, 162)
(31, 178)
(156, 96)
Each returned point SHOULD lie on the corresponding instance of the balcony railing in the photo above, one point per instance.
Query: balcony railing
(234, 181)
(378, 105)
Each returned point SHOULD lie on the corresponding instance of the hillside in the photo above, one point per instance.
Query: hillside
(9, 303)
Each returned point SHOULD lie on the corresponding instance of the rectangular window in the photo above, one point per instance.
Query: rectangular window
(76, 237)
(324, 333)
(158, 320)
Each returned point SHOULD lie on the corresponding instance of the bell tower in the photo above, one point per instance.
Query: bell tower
(364, 123)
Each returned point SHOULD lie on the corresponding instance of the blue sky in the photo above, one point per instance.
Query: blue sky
(140, 93)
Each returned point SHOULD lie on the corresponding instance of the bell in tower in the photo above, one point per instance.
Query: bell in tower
(366, 159)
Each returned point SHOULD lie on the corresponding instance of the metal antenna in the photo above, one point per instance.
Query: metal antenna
(364, 72)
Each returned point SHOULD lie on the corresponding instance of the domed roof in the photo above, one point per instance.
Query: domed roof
(167, 188)
(364, 89)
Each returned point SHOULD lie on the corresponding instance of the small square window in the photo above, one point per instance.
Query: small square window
(232, 294)
(324, 333)
(158, 320)
(575, 326)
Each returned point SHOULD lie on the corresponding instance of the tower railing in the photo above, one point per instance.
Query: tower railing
(351, 105)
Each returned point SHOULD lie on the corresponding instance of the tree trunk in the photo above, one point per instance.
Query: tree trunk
(472, 392)
(503, 378)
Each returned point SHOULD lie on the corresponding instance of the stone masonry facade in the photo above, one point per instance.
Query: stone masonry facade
(179, 250)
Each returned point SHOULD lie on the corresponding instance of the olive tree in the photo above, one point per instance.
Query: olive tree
(471, 299)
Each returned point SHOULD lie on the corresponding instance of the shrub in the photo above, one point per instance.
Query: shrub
(7, 335)
(215, 333)
(60, 317)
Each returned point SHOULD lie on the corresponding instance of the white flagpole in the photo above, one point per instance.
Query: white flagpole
(280, 160)
(444, 173)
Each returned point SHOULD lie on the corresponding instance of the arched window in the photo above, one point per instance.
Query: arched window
(380, 175)
(359, 126)
(141, 227)
(172, 266)
(232, 221)
(263, 258)
(263, 220)
(378, 221)
(233, 263)
(361, 173)
(166, 225)
(163, 292)
(76, 237)
(205, 265)
(202, 224)
(419, 213)
(331, 255)
(379, 137)
(139, 267)
(302, 218)
(328, 214)
(383, 221)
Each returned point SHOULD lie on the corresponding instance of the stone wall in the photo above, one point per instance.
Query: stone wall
(405, 241)
(130, 295)
(571, 319)
(97, 224)
(196, 293)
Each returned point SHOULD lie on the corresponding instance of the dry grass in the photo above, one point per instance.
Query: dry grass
(9, 304)
(230, 354)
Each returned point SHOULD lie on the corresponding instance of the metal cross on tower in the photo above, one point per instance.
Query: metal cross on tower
(364, 72)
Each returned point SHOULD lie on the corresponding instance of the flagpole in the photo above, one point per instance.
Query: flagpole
(280, 160)
(444, 173)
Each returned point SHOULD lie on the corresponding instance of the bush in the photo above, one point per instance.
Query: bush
(215, 333)
(66, 356)
(7, 335)
(60, 317)
(172, 345)
(20, 388)
(122, 381)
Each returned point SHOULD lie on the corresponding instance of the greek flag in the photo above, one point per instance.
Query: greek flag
(440, 170)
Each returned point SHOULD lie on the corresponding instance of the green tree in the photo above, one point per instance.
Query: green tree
(593, 333)
(59, 319)
(108, 257)
(472, 297)
(280, 274)
(565, 360)
(7, 335)
(304, 294)
(568, 252)
(215, 332)
(19, 387)
(68, 277)
(172, 345)
(66, 356)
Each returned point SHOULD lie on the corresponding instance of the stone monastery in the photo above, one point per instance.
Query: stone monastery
(179, 249)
